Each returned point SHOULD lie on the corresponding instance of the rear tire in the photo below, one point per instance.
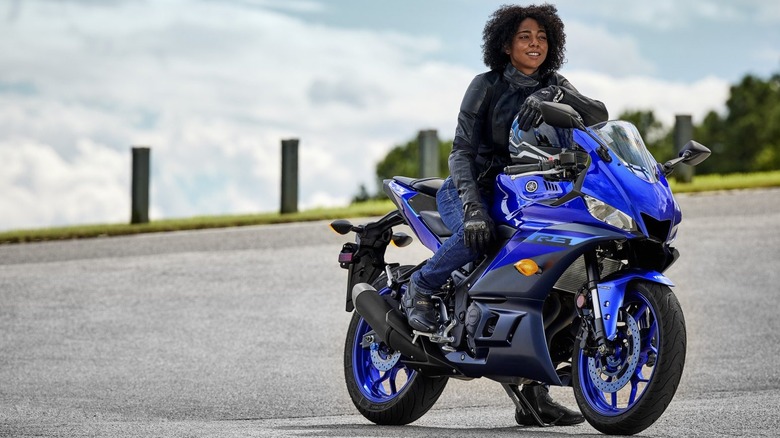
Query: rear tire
(397, 396)
(648, 380)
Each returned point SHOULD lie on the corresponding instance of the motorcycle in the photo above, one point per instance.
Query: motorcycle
(572, 294)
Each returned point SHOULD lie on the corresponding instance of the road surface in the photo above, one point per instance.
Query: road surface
(239, 332)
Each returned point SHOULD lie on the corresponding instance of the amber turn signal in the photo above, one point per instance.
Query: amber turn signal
(527, 267)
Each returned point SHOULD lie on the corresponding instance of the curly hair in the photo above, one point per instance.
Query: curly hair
(502, 26)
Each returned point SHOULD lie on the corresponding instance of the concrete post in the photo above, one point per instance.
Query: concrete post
(289, 176)
(139, 193)
(429, 153)
(683, 133)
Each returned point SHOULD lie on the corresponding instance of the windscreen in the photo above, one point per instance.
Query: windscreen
(624, 140)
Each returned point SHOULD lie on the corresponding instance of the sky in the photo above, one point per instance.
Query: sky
(213, 87)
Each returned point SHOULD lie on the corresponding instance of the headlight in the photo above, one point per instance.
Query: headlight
(609, 214)
(672, 235)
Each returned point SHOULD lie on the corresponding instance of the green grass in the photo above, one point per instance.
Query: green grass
(372, 208)
(705, 183)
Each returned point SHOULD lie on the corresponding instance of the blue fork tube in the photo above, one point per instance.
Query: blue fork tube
(591, 265)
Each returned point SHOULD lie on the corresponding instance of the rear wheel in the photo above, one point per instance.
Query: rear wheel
(627, 391)
(382, 387)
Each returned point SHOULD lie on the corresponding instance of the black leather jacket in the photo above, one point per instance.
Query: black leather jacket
(480, 148)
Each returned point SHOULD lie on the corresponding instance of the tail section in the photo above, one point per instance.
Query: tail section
(416, 200)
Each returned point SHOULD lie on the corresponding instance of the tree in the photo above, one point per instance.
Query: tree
(404, 160)
(747, 138)
(362, 195)
(711, 134)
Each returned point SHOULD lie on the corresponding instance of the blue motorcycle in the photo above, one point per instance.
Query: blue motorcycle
(572, 293)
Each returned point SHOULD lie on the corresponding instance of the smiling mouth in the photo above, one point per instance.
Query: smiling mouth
(534, 54)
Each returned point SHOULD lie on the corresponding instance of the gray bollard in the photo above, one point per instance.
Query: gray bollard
(139, 192)
(428, 141)
(289, 176)
(683, 133)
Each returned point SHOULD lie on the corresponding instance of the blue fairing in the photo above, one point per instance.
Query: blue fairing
(403, 195)
(612, 183)
(612, 293)
(553, 248)
(528, 201)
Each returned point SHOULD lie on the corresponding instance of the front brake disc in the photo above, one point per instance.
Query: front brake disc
(611, 380)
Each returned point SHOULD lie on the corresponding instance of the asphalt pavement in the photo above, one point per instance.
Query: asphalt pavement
(240, 332)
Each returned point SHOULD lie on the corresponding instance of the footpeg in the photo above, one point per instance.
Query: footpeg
(436, 338)
(441, 337)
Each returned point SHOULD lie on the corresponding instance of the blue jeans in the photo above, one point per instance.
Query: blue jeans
(453, 253)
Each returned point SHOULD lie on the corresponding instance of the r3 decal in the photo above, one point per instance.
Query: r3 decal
(552, 239)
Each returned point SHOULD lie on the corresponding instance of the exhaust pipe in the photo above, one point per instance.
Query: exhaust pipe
(388, 323)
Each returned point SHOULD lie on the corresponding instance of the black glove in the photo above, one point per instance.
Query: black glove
(530, 113)
(478, 229)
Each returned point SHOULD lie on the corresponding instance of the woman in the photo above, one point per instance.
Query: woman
(523, 47)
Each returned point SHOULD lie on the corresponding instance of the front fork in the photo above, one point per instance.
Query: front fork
(596, 322)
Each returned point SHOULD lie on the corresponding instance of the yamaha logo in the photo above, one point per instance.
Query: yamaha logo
(531, 186)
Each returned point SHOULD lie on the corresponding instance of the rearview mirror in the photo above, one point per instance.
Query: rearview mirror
(561, 115)
(693, 153)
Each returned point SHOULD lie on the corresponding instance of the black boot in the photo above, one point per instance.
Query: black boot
(419, 310)
(549, 411)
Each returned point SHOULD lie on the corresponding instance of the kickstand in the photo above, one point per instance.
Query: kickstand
(522, 403)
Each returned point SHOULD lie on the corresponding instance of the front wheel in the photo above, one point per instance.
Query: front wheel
(625, 392)
(381, 386)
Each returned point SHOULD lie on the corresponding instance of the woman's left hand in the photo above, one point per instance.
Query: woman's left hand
(530, 113)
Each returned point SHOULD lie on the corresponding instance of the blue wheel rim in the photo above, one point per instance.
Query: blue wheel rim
(376, 385)
(612, 403)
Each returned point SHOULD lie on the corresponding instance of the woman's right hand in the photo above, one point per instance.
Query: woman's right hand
(478, 229)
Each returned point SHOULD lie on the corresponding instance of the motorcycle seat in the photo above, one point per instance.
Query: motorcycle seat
(429, 186)
(432, 218)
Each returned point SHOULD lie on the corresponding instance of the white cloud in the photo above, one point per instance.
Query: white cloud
(665, 98)
(594, 48)
(212, 90)
(667, 15)
(41, 188)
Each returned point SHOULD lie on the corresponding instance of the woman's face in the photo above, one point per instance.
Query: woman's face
(528, 49)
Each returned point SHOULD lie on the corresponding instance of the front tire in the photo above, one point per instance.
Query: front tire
(382, 387)
(625, 393)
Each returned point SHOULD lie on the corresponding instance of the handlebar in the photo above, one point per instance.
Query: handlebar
(564, 162)
(517, 169)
